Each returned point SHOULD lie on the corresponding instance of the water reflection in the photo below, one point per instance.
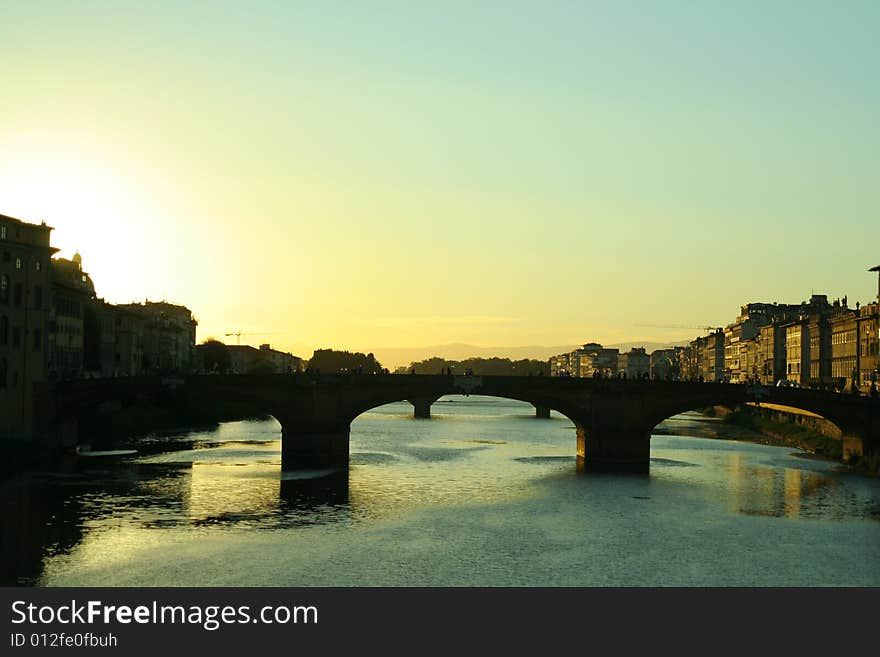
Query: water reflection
(787, 492)
(330, 489)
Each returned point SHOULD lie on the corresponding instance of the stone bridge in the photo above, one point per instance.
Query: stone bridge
(613, 417)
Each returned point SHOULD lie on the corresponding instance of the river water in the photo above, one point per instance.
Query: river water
(481, 494)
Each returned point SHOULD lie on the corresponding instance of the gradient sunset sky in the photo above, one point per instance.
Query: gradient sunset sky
(372, 174)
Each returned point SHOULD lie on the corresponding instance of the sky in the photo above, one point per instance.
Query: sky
(392, 174)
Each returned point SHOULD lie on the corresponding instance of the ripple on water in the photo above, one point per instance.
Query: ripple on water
(372, 458)
(673, 463)
(545, 459)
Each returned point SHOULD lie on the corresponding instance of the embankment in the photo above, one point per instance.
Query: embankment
(789, 428)
(107, 426)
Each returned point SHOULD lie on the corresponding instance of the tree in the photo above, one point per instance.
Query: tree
(214, 355)
(330, 361)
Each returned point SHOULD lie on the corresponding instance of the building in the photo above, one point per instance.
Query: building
(25, 252)
(634, 364)
(808, 343)
(844, 349)
(869, 342)
(592, 359)
(103, 322)
(169, 336)
(749, 357)
(606, 363)
(703, 359)
(771, 354)
(868, 336)
(797, 352)
(560, 365)
(72, 293)
(666, 363)
(283, 362)
(129, 329)
(742, 358)
(581, 360)
(244, 359)
(688, 361)
(820, 350)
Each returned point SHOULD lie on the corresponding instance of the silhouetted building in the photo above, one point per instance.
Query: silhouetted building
(72, 293)
(105, 339)
(282, 361)
(244, 359)
(169, 336)
(666, 363)
(25, 253)
(128, 329)
(634, 364)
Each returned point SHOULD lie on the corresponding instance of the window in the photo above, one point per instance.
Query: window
(38, 265)
(38, 339)
(4, 288)
(38, 297)
(2, 232)
(16, 295)
(18, 263)
(4, 330)
(16, 336)
(3, 368)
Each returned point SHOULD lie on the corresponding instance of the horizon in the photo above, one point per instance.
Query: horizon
(373, 177)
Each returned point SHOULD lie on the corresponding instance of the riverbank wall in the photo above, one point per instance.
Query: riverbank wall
(790, 428)
(109, 426)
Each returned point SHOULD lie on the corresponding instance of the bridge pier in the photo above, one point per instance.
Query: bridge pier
(422, 406)
(314, 445)
(615, 450)
(542, 412)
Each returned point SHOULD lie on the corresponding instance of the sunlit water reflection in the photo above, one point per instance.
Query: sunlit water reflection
(482, 494)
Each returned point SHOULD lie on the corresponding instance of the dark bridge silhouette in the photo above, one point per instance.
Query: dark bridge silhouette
(613, 418)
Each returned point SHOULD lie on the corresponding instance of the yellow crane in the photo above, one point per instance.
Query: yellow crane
(238, 335)
(681, 326)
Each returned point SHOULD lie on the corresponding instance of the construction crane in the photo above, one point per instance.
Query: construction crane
(681, 326)
(238, 335)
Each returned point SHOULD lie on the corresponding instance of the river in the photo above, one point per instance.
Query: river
(481, 494)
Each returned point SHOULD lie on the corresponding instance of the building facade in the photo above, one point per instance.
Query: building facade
(771, 354)
(844, 329)
(168, 336)
(25, 282)
(592, 359)
(634, 364)
(868, 336)
(72, 294)
(666, 363)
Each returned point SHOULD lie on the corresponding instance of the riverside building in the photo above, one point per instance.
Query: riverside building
(25, 252)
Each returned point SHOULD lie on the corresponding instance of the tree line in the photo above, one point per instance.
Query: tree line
(214, 356)
(480, 366)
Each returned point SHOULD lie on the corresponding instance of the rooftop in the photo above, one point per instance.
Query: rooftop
(24, 223)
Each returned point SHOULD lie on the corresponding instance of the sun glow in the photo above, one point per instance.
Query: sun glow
(97, 203)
